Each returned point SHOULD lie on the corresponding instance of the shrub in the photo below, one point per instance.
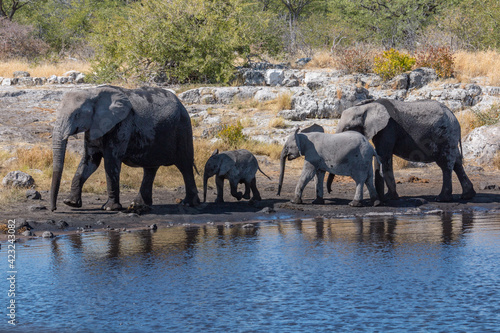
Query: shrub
(354, 59)
(18, 41)
(392, 63)
(487, 117)
(232, 135)
(438, 58)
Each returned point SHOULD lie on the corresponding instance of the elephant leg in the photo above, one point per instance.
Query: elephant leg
(308, 172)
(388, 171)
(379, 181)
(186, 170)
(88, 165)
(233, 185)
(319, 179)
(255, 191)
(219, 183)
(112, 167)
(145, 195)
(329, 182)
(467, 187)
(248, 185)
(447, 189)
(372, 190)
(358, 196)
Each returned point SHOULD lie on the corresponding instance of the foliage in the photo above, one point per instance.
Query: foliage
(354, 59)
(18, 41)
(488, 117)
(176, 41)
(232, 135)
(392, 63)
(438, 58)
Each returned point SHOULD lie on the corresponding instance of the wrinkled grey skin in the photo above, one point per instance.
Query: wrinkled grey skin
(347, 154)
(147, 127)
(237, 166)
(421, 131)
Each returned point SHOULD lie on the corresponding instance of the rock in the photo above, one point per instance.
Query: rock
(253, 78)
(267, 210)
(80, 78)
(400, 81)
(225, 95)
(61, 224)
(488, 186)
(22, 223)
(9, 81)
(37, 208)
(34, 195)
(18, 179)
(274, 77)
(47, 234)
(27, 233)
(422, 76)
(482, 144)
(72, 74)
(248, 226)
(265, 95)
(18, 74)
(153, 227)
(295, 115)
(228, 225)
(191, 96)
(302, 61)
(52, 79)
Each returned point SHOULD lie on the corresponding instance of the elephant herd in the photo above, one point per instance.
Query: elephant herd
(149, 128)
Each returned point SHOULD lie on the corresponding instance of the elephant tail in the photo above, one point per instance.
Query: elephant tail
(379, 163)
(264, 173)
(196, 169)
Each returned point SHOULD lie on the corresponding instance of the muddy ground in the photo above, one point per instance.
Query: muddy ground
(27, 118)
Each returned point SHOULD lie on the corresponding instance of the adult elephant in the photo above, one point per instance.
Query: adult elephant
(420, 131)
(147, 127)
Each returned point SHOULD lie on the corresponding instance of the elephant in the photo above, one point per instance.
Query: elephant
(348, 154)
(420, 131)
(146, 127)
(237, 166)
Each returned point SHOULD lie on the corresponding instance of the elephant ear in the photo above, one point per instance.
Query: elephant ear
(111, 107)
(313, 128)
(297, 140)
(225, 165)
(376, 118)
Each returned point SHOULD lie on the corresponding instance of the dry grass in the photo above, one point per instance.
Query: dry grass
(322, 59)
(496, 161)
(398, 163)
(278, 122)
(42, 69)
(467, 120)
(283, 102)
(473, 64)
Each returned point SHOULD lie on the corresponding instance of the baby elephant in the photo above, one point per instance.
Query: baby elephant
(237, 166)
(346, 154)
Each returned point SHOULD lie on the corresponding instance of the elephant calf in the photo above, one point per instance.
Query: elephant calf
(237, 166)
(347, 154)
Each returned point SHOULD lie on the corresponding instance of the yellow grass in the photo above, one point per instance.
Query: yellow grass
(278, 122)
(322, 59)
(7, 68)
(283, 102)
(473, 64)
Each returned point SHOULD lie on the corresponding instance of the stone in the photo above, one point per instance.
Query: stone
(33, 194)
(22, 223)
(265, 95)
(274, 77)
(421, 77)
(52, 79)
(253, 78)
(225, 95)
(61, 224)
(80, 78)
(37, 208)
(47, 234)
(27, 233)
(267, 210)
(302, 61)
(73, 74)
(18, 179)
(482, 144)
(9, 81)
(228, 224)
(400, 81)
(191, 96)
(18, 74)
(248, 226)
(488, 186)
(207, 99)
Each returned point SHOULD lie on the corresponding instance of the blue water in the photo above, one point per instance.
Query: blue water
(412, 274)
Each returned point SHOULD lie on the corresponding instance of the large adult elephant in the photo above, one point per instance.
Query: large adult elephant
(420, 131)
(146, 127)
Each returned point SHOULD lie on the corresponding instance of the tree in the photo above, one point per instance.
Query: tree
(9, 7)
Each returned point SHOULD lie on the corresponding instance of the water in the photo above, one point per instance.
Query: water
(418, 274)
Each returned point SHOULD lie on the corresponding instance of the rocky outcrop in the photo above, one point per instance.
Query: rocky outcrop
(22, 78)
(482, 144)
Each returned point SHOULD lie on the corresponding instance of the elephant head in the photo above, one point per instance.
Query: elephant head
(94, 111)
(367, 117)
(217, 164)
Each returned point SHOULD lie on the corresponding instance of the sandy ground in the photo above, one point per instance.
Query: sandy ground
(416, 186)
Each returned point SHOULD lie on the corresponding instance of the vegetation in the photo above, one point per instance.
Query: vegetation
(392, 63)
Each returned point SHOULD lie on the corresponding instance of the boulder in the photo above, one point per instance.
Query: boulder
(421, 77)
(302, 61)
(191, 96)
(265, 95)
(47, 234)
(225, 95)
(482, 144)
(253, 77)
(9, 81)
(18, 179)
(18, 74)
(33, 194)
(274, 77)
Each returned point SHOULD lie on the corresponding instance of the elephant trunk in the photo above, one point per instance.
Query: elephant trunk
(205, 180)
(59, 152)
(283, 157)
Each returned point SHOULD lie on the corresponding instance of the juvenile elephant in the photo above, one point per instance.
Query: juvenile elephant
(347, 154)
(147, 127)
(237, 166)
(421, 131)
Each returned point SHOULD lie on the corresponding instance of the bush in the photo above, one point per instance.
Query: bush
(18, 41)
(354, 59)
(392, 63)
(232, 135)
(488, 117)
(438, 58)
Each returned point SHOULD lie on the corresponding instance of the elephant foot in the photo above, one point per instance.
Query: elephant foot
(219, 200)
(238, 196)
(468, 195)
(193, 202)
(444, 198)
(319, 201)
(392, 196)
(73, 203)
(138, 208)
(355, 203)
(297, 200)
(376, 202)
(112, 206)
(246, 196)
(256, 198)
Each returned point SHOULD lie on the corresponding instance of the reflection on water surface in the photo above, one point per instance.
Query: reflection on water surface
(424, 273)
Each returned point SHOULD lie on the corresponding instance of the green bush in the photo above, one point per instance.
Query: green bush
(232, 135)
(392, 63)
(487, 117)
(438, 58)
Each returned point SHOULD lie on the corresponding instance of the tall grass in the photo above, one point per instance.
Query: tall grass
(42, 69)
(473, 64)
